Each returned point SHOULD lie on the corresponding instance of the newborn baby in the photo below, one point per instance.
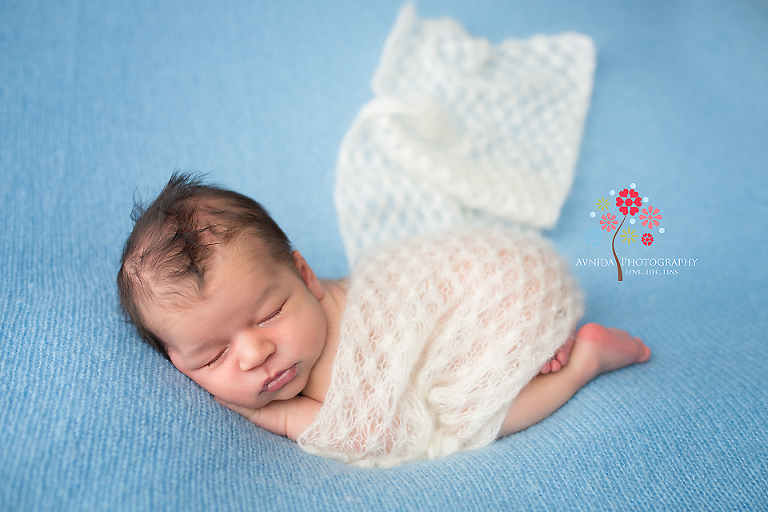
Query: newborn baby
(432, 346)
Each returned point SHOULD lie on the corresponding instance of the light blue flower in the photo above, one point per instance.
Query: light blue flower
(593, 237)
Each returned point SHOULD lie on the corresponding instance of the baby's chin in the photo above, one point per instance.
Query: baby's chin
(296, 381)
(264, 399)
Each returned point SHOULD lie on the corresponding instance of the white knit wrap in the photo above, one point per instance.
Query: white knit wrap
(441, 331)
(439, 335)
(461, 132)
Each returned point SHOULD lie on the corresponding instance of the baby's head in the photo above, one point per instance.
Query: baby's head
(211, 281)
(167, 257)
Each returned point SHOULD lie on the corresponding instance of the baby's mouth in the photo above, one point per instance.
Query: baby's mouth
(279, 380)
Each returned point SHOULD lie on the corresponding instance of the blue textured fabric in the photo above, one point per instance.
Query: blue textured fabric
(101, 101)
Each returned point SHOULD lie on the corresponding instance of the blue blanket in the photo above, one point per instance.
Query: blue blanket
(100, 102)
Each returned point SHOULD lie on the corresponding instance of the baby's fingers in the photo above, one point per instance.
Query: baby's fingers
(248, 413)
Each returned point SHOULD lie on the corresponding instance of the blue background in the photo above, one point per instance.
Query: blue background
(101, 101)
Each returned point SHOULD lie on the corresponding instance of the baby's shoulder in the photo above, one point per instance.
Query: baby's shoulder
(338, 289)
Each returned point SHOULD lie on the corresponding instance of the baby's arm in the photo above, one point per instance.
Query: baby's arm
(283, 417)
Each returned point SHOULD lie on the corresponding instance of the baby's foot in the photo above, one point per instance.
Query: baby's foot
(601, 349)
(560, 358)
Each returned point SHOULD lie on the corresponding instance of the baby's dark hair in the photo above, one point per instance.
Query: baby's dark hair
(169, 250)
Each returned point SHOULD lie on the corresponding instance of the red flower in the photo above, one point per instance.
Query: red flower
(648, 239)
(628, 205)
(651, 216)
(609, 222)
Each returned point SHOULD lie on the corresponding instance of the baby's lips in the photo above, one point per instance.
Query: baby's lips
(278, 381)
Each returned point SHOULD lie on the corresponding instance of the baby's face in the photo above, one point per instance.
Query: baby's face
(255, 335)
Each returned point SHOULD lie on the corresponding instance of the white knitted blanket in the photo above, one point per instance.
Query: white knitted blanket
(439, 335)
(462, 132)
(441, 331)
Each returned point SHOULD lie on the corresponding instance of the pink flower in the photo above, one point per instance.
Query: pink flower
(651, 216)
(647, 239)
(608, 222)
(628, 205)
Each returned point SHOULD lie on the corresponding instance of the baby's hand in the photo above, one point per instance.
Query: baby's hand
(283, 417)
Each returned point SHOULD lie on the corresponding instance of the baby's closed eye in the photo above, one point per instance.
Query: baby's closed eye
(273, 315)
(215, 359)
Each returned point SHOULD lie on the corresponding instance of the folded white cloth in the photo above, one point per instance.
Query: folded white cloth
(462, 132)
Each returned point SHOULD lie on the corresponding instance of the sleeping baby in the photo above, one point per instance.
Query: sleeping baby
(432, 346)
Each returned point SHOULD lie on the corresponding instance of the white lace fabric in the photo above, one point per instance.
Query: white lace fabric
(452, 309)
(439, 335)
(463, 132)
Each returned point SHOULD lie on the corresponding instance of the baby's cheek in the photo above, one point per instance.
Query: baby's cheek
(215, 387)
(210, 388)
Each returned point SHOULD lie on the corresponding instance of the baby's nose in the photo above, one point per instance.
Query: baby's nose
(253, 351)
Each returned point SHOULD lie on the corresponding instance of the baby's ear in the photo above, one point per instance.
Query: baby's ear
(308, 275)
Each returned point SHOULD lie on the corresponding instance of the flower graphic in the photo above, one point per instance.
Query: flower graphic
(650, 217)
(647, 239)
(593, 237)
(629, 205)
(628, 235)
(608, 222)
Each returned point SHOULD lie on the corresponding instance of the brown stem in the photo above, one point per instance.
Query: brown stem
(618, 265)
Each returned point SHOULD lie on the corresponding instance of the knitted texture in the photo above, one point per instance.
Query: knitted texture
(462, 132)
(439, 335)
